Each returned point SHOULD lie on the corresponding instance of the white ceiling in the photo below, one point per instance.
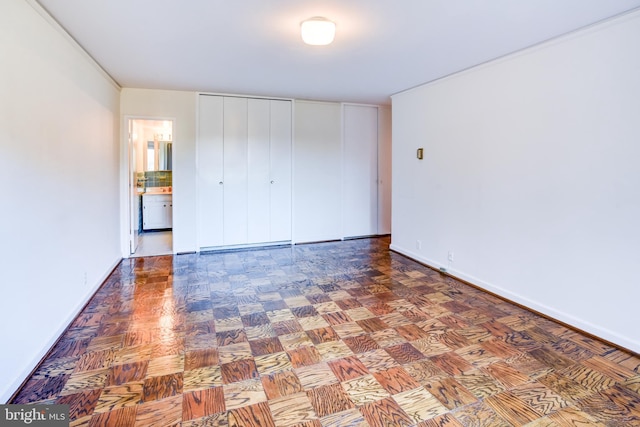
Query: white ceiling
(253, 47)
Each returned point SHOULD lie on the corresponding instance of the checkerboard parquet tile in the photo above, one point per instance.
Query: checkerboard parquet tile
(329, 334)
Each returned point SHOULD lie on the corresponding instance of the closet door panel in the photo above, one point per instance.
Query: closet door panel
(210, 171)
(258, 167)
(235, 171)
(244, 171)
(280, 166)
(360, 190)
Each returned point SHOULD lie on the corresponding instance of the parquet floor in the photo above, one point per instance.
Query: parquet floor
(331, 334)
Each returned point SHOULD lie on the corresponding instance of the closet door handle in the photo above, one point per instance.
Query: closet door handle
(273, 182)
(220, 183)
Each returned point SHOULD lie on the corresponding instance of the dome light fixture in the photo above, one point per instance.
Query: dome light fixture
(318, 31)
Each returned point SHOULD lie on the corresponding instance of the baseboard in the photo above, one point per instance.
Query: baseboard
(575, 323)
(313, 242)
(48, 347)
(248, 247)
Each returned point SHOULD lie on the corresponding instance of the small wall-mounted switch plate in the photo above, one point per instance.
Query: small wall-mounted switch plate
(420, 153)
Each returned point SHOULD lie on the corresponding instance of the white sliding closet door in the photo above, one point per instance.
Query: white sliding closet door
(360, 185)
(244, 171)
(259, 174)
(235, 171)
(210, 171)
(280, 167)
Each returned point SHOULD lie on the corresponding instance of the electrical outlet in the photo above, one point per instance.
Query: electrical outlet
(450, 256)
(84, 278)
(418, 244)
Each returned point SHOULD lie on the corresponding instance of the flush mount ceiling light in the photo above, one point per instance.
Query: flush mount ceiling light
(318, 31)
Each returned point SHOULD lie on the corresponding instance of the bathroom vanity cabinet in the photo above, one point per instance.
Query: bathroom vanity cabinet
(157, 211)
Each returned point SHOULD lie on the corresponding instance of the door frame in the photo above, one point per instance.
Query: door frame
(127, 184)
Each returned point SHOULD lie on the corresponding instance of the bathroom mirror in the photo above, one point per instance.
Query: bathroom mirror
(158, 156)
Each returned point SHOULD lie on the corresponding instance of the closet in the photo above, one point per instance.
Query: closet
(244, 171)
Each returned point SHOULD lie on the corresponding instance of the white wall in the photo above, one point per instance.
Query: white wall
(317, 171)
(59, 163)
(531, 177)
(180, 106)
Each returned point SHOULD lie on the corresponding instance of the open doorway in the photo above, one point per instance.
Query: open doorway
(150, 186)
